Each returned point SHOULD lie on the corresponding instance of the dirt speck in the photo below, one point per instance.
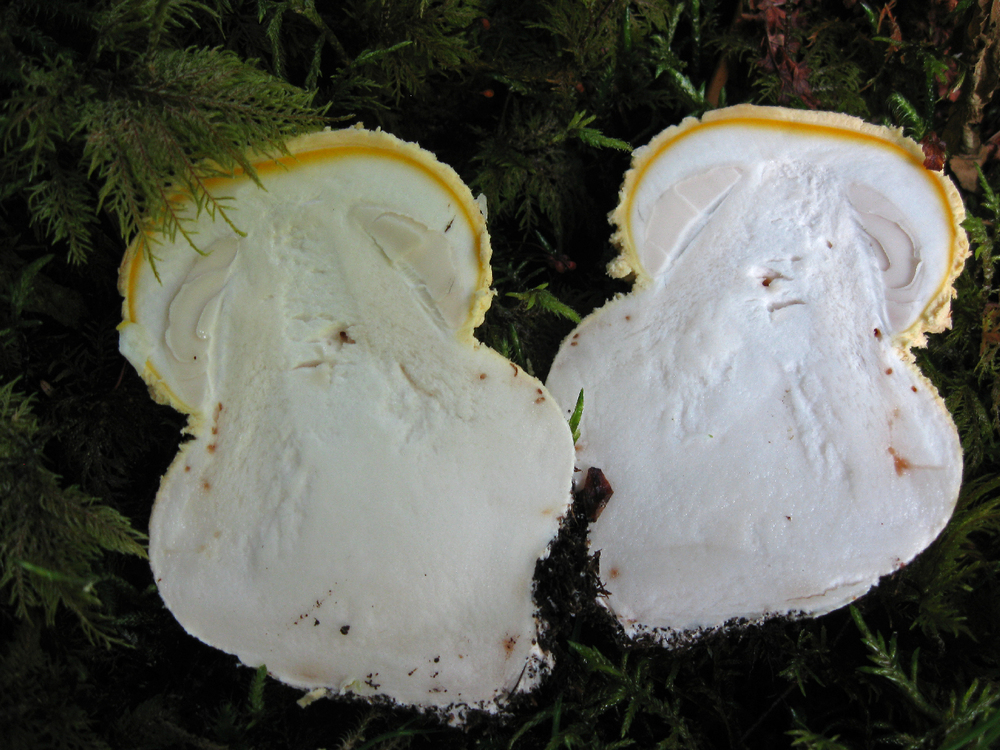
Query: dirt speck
(899, 463)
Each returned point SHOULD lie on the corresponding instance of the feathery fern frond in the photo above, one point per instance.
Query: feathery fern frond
(51, 536)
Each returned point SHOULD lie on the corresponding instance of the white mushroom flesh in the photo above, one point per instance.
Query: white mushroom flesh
(368, 489)
(753, 402)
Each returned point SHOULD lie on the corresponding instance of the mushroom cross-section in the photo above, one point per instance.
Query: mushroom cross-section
(367, 488)
(753, 401)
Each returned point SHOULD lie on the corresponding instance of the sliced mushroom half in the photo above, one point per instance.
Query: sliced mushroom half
(753, 401)
(367, 489)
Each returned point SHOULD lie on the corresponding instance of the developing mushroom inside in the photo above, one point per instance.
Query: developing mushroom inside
(367, 490)
(681, 211)
(770, 448)
(907, 287)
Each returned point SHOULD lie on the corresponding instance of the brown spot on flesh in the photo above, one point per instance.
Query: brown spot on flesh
(217, 534)
(898, 462)
(508, 645)
(215, 419)
(482, 376)
(888, 371)
(878, 333)
(211, 448)
(913, 388)
(539, 399)
(515, 369)
(187, 468)
(614, 573)
(206, 485)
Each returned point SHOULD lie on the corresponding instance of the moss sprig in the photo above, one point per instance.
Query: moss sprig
(53, 536)
(105, 124)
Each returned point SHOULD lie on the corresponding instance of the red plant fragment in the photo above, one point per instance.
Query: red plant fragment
(934, 151)
(781, 48)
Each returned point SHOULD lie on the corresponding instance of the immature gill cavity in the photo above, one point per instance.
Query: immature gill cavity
(423, 256)
(679, 210)
(192, 315)
(897, 255)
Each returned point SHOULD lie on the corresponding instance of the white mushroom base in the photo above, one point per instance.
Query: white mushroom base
(368, 490)
(770, 449)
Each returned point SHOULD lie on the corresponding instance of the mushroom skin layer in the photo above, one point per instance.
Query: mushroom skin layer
(367, 489)
(753, 400)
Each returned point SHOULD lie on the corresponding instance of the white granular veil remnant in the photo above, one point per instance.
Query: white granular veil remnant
(367, 489)
(753, 401)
